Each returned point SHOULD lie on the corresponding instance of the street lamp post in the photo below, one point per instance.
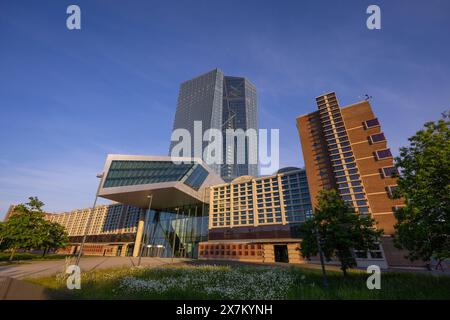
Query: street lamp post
(100, 176)
(150, 197)
(174, 232)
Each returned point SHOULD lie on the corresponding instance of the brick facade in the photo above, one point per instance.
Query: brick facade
(344, 148)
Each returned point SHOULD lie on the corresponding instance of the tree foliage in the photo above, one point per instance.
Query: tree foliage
(339, 229)
(423, 226)
(2, 237)
(53, 236)
(27, 228)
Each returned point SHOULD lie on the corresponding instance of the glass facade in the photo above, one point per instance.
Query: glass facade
(238, 112)
(175, 232)
(200, 99)
(219, 102)
(296, 197)
(196, 177)
(105, 219)
(131, 172)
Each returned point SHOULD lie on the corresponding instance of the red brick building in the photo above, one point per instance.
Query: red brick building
(344, 148)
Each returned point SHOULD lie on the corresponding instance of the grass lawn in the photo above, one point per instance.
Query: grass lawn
(30, 256)
(243, 282)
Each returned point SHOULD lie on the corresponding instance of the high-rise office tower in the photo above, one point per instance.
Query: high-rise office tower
(219, 102)
(345, 149)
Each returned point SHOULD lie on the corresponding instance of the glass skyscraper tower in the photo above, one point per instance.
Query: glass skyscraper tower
(219, 102)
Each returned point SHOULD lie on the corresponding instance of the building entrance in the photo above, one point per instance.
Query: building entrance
(175, 232)
(281, 253)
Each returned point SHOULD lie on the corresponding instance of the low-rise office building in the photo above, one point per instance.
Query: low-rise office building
(188, 211)
(257, 219)
(111, 229)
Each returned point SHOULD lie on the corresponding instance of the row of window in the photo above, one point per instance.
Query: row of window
(344, 166)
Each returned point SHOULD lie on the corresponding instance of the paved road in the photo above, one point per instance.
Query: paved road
(31, 269)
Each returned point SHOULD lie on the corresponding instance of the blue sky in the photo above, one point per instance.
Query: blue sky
(68, 98)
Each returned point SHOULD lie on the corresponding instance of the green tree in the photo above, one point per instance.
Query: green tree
(339, 229)
(52, 236)
(423, 226)
(27, 228)
(2, 235)
(22, 230)
(34, 204)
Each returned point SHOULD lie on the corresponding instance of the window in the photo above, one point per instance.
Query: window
(340, 173)
(391, 190)
(361, 203)
(379, 137)
(383, 154)
(130, 172)
(363, 210)
(197, 177)
(359, 196)
(371, 123)
(389, 171)
(349, 160)
(348, 154)
(356, 183)
(334, 151)
(335, 157)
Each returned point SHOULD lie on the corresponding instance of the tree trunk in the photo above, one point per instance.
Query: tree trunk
(344, 271)
(439, 264)
(12, 254)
